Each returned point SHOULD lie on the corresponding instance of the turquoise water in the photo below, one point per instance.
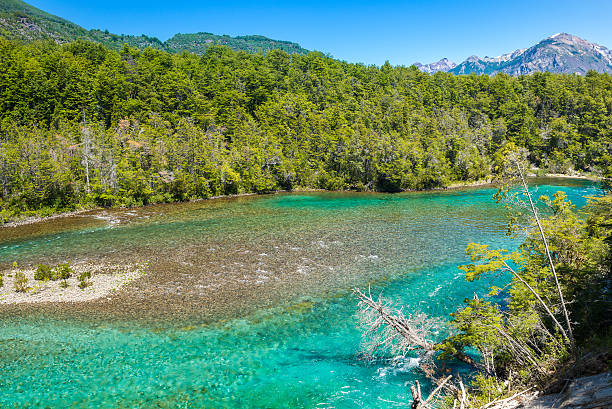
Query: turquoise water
(247, 302)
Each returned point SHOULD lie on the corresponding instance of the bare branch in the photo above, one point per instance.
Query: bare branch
(552, 316)
(503, 401)
(534, 211)
(438, 389)
(391, 330)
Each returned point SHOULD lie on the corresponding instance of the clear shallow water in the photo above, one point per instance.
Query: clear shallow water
(247, 302)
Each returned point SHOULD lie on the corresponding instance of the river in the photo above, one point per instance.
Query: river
(246, 301)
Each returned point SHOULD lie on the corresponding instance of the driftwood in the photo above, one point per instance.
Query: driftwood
(417, 398)
(502, 402)
(399, 333)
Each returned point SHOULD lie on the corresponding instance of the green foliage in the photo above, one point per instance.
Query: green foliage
(43, 273)
(198, 43)
(84, 280)
(520, 339)
(21, 21)
(62, 272)
(84, 126)
(21, 282)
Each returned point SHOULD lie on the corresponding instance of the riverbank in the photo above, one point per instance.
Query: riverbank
(456, 185)
(459, 185)
(577, 176)
(222, 273)
(104, 280)
(35, 219)
(589, 392)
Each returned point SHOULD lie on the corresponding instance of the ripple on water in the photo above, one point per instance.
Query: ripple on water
(247, 302)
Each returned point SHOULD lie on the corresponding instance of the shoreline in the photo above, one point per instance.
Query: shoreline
(455, 185)
(564, 176)
(35, 219)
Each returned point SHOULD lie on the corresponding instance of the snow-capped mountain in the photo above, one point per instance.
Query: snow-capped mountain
(560, 53)
(443, 65)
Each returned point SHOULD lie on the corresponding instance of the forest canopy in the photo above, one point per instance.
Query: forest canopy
(82, 125)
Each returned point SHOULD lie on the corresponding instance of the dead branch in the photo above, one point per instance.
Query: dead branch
(417, 402)
(462, 396)
(534, 211)
(515, 345)
(503, 401)
(438, 389)
(417, 397)
(401, 334)
(540, 300)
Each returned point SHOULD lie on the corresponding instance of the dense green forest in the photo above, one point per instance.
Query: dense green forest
(82, 125)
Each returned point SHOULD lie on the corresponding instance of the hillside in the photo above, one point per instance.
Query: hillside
(167, 126)
(23, 22)
(198, 43)
(20, 21)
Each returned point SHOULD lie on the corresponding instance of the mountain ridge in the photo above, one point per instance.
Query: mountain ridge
(561, 53)
(24, 22)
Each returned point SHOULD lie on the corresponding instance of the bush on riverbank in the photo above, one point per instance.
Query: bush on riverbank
(20, 282)
(84, 280)
(60, 272)
(43, 272)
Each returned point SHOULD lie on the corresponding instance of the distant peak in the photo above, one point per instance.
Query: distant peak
(443, 65)
(559, 53)
(565, 37)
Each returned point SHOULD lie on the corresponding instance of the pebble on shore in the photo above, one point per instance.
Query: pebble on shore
(104, 281)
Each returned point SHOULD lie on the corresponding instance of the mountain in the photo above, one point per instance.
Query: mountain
(199, 42)
(21, 21)
(561, 53)
(443, 65)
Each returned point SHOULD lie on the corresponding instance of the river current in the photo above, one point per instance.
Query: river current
(246, 301)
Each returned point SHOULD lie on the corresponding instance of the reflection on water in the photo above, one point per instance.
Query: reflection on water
(247, 302)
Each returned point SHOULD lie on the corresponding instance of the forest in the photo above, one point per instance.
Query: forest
(85, 126)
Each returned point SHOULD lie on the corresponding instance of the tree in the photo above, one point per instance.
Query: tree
(531, 339)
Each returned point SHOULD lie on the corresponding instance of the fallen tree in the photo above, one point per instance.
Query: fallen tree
(562, 266)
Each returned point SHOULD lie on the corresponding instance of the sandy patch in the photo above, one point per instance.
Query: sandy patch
(573, 176)
(105, 280)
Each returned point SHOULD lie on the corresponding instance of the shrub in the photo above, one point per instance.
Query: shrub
(64, 284)
(21, 282)
(63, 272)
(1, 280)
(43, 273)
(84, 280)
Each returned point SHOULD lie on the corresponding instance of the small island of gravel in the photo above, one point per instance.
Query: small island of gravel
(101, 281)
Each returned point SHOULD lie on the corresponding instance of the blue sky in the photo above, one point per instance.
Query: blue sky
(371, 32)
